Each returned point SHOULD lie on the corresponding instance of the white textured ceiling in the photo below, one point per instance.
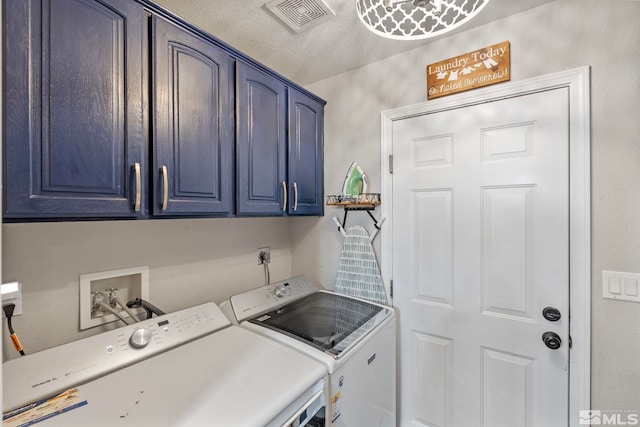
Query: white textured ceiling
(337, 45)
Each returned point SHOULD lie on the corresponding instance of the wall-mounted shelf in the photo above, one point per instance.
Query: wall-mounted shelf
(371, 199)
(362, 202)
(355, 206)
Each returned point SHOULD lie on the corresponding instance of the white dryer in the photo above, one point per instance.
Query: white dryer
(353, 338)
(189, 368)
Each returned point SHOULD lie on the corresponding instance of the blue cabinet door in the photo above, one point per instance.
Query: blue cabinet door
(74, 134)
(306, 163)
(261, 143)
(192, 125)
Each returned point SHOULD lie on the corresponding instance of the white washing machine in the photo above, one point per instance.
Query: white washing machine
(189, 368)
(353, 338)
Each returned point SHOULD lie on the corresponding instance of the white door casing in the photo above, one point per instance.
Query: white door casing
(507, 232)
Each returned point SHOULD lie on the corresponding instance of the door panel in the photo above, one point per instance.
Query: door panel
(433, 399)
(507, 249)
(433, 240)
(193, 126)
(507, 389)
(480, 238)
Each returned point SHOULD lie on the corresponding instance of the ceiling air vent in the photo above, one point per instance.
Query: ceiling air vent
(300, 15)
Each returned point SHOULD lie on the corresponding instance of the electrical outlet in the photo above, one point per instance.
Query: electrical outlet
(12, 293)
(125, 284)
(264, 255)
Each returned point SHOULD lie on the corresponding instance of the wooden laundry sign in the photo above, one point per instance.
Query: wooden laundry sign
(482, 67)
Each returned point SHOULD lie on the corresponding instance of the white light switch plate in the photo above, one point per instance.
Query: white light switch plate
(621, 286)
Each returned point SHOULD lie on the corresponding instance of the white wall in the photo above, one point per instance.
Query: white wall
(190, 262)
(556, 36)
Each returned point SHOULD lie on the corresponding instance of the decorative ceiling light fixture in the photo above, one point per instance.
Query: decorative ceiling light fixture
(416, 19)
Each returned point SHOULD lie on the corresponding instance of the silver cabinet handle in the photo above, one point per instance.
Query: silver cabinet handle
(165, 187)
(295, 196)
(284, 202)
(136, 203)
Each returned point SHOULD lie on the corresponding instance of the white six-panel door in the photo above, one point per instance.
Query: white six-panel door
(480, 248)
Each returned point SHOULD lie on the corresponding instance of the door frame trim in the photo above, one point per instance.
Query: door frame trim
(577, 81)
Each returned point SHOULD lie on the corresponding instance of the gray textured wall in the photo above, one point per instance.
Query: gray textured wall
(560, 35)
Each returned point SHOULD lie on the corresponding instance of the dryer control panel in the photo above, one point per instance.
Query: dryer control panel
(266, 298)
(56, 369)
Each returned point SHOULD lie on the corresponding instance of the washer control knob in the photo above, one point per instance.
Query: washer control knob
(280, 291)
(140, 338)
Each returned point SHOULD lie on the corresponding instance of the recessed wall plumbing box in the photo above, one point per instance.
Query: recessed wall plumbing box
(125, 285)
(264, 255)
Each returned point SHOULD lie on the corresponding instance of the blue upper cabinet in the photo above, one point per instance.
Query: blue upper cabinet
(117, 109)
(306, 171)
(279, 147)
(261, 145)
(192, 124)
(73, 117)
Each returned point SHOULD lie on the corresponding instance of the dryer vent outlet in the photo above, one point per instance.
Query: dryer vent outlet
(300, 15)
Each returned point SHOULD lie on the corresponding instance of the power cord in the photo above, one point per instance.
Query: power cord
(265, 264)
(8, 311)
(267, 276)
(148, 307)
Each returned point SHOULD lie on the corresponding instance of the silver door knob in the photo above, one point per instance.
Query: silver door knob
(552, 314)
(551, 340)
